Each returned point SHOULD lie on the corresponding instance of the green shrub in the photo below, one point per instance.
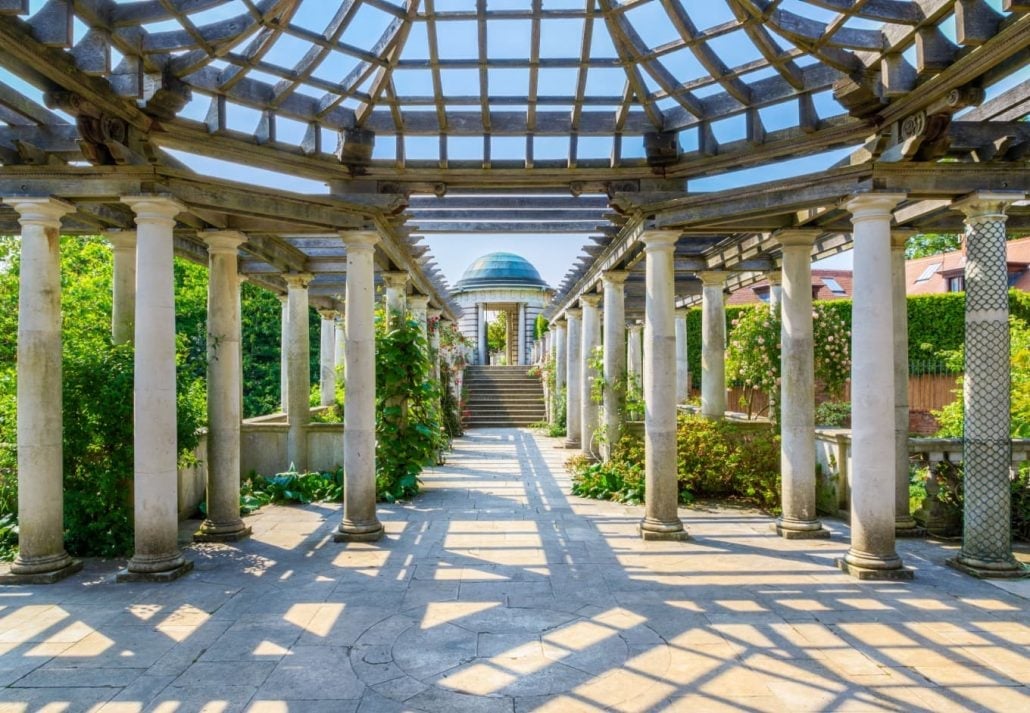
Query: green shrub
(291, 487)
(621, 479)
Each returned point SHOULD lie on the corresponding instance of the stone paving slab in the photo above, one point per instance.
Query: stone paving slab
(495, 590)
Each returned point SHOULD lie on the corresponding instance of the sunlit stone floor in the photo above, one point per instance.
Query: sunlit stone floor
(496, 591)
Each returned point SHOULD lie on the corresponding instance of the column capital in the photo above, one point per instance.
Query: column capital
(560, 323)
(982, 204)
(396, 279)
(713, 278)
(900, 236)
(682, 311)
(153, 207)
(865, 206)
(297, 280)
(327, 314)
(614, 277)
(121, 239)
(573, 313)
(660, 239)
(434, 313)
(634, 326)
(774, 277)
(359, 240)
(39, 211)
(796, 237)
(419, 302)
(222, 241)
(591, 299)
(282, 298)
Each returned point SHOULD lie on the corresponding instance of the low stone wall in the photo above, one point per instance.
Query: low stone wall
(193, 481)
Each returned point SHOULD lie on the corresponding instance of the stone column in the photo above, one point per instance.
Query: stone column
(986, 445)
(573, 371)
(904, 524)
(589, 410)
(661, 519)
(713, 345)
(327, 357)
(434, 316)
(360, 523)
(797, 391)
(775, 279)
(635, 349)
(157, 555)
(41, 555)
(419, 305)
(396, 294)
(298, 358)
(340, 348)
(284, 368)
(521, 360)
(123, 285)
(561, 368)
(223, 523)
(682, 363)
(481, 343)
(614, 355)
(872, 554)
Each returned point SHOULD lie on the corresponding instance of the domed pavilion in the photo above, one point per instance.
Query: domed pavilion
(501, 282)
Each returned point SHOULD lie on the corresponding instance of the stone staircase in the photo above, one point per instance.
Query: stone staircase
(503, 396)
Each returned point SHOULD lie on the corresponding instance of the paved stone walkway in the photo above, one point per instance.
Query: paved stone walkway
(497, 591)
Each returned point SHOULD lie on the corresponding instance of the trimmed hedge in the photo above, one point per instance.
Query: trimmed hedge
(936, 323)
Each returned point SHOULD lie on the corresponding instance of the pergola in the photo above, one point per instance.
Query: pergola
(589, 117)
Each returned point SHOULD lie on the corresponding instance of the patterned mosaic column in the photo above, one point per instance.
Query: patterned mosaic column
(987, 532)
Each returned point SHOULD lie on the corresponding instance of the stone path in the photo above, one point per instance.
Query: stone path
(496, 591)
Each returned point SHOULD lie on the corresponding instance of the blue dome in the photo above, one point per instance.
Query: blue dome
(500, 270)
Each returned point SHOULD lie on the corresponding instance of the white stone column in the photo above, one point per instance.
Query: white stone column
(661, 501)
(561, 368)
(713, 345)
(872, 554)
(123, 285)
(327, 357)
(589, 410)
(340, 348)
(635, 349)
(284, 362)
(614, 355)
(298, 358)
(481, 342)
(419, 306)
(904, 524)
(573, 372)
(775, 279)
(521, 359)
(223, 522)
(986, 439)
(359, 521)
(682, 363)
(433, 316)
(157, 555)
(41, 554)
(396, 295)
(797, 391)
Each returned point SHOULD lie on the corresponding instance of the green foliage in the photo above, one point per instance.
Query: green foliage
(497, 334)
(409, 429)
(598, 382)
(540, 327)
(833, 414)
(927, 244)
(290, 487)
(621, 479)
(561, 404)
(450, 406)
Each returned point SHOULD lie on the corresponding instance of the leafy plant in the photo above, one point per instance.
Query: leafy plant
(290, 486)
(833, 414)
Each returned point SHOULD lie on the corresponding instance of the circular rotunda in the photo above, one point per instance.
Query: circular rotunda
(507, 283)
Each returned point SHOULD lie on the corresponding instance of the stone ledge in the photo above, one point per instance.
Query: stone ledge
(821, 534)
(867, 574)
(652, 536)
(1020, 571)
(169, 575)
(374, 536)
(41, 577)
(201, 536)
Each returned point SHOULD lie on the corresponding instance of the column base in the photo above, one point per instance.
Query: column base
(203, 535)
(870, 574)
(351, 532)
(168, 575)
(908, 527)
(800, 530)
(654, 530)
(571, 444)
(993, 570)
(42, 577)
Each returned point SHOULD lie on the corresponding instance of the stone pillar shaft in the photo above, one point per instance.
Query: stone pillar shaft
(797, 392)
(340, 349)
(635, 349)
(573, 372)
(359, 417)
(590, 410)
(419, 306)
(560, 366)
(298, 358)
(682, 363)
(284, 362)
(521, 359)
(157, 552)
(41, 553)
(327, 358)
(904, 523)
(713, 345)
(123, 285)
(433, 316)
(872, 554)
(986, 445)
(396, 295)
(775, 279)
(661, 519)
(223, 521)
(614, 355)
(482, 343)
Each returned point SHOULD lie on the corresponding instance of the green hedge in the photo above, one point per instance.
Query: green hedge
(936, 323)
